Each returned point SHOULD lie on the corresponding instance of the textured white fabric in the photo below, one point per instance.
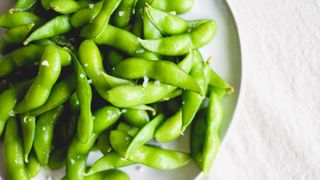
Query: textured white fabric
(276, 135)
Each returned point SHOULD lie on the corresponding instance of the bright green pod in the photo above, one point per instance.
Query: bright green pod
(40, 89)
(33, 166)
(216, 81)
(18, 34)
(124, 41)
(8, 100)
(103, 143)
(111, 174)
(150, 31)
(92, 63)
(44, 134)
(96, 27)
(131, 130)
(164, 71)
(64, 6)
(170, 129)
(135, 117)
(178, 6)
(60, 94)
(56, 26)
(78, 151)
(109, 161)
(86, 16)
(198, 133)
(22, 5)
(84, 94)
(131, 96)
(15, 19)
(144, 135)
(151, 156)
(123, 14)
(212, 139)
(13, 152)
(28, 56)
(181, 44)
(192, 101)
(28, 124)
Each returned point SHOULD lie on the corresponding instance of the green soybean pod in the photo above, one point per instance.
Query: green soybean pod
(64, 6)
(56, 26)
(28, 125)
(151, 156)
(150, 31)
(40, 89)
(13, 153)
(181, 44)
(17, 34)
(135, 117)
(216, 81)
(170, 129)
(198, 133)
(124, 41)
(212, 139)
(144, 135)
(110, 174)
(84, 94)
(164, 71)
(86, 15)
(44, 134)
(33, 166)
(103, 143)
(131, 130)
(95, 28)
(112, 160)
(15, 19)
(8, 100)
(179, 6)
(123, 14)
(60, 94)
(22, 5)
(192, 101)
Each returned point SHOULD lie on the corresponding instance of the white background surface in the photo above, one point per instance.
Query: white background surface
(277, 133)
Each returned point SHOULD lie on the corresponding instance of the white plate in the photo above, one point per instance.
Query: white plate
(225, 50)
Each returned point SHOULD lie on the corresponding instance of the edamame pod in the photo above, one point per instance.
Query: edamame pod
(22, 5)
(85, 16)
(135, 117)
(33, 166)
(15, 19)
(40, 89)
(8, 100)
(164, 71)
(99, 23)
(18, 34)
(151, 156)
(123, 14)
(144, 135)
(56, 26)
(181, 44)
(109, 161)
(64, 6)
(13, 153)
(60, 94)
(179, 6)
(28, 125)
(44, 134)
(170, 129)
(84, 94)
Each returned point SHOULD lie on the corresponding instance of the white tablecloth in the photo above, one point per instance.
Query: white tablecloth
(276, 135)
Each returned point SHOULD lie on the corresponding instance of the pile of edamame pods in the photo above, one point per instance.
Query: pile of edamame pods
(109, 75)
